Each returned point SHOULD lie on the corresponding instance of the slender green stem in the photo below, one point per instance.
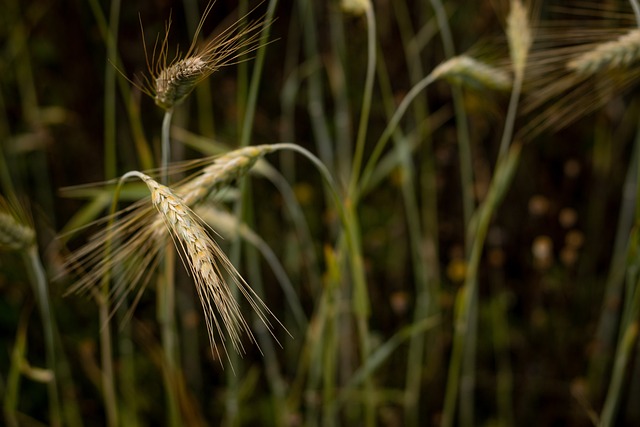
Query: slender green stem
(41, 289)
(110, 161)
(366, 99)
(466, 307)
(11, 389)
(388, 132)
(110, 92)
(258, 66)
(620, 373)
(510, 120)
(425, 264)
(636, 10)
(166, 293)
(106, 355)
(608, 322)
(630, 319)
(166, 145)
(315, 95)
(133, 110)
(462, 126)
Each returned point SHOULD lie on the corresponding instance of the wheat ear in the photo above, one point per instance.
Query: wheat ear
(15, 234)
(137, 229)
(223, 169)
(355, 7)
(171, 81)
(208, 265)
(467, 70)
(519, 36)
(619, 53)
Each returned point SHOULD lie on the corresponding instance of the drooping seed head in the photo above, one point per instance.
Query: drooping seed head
(617, 54)
(207, 265)
(128, 252)
(464, 69)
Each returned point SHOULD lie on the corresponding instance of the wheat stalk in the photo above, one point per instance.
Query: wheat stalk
(170, 81)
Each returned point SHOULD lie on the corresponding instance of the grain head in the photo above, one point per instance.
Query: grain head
(519, 36)
(128, 249)
(15, 231)
(466, 70)
(170, 81)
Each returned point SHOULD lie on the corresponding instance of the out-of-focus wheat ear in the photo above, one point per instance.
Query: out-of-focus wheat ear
(466, 70)
(519, 36)
(355, 7)
(15, 232)
(620, 53)
(224, 169)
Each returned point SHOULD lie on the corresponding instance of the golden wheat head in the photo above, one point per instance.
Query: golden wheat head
(128, 249)
(170, 81)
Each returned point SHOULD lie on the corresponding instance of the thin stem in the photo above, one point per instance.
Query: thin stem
(110, 93)
(41, 288)
(465, 317)
(636, 10)
(462, 126)
(166, 291)
(388, 132)
(133, 110)
(315, 103)
(166, 145)
(254, 87)
(106, 355)
(366, 99)
(507, 134)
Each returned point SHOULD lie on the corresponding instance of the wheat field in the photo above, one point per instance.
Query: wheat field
(319, 213)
